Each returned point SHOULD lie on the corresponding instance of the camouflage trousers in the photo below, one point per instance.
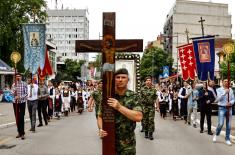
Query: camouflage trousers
(148, 119)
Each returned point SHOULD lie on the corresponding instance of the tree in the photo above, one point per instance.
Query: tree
(153, 60)
(13, 13)
(98, 62)
(224, 67)
(71, 71)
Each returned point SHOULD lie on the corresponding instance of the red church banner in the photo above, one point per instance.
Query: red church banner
(187, 61)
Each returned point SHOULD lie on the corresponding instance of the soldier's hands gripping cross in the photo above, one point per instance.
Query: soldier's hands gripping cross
(114, 103)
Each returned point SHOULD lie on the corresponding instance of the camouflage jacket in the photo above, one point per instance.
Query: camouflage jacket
(148, 96)
(125, 135)
(97, 96)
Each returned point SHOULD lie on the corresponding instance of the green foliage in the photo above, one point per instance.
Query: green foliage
(98, 62)
(71, 71)
(224, 67)
(13, 13)
(152, 62)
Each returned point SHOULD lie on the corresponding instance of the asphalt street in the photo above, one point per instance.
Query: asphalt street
(77, 135)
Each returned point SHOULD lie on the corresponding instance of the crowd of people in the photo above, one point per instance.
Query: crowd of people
(194, 97)
(48, 100)
(169, 99)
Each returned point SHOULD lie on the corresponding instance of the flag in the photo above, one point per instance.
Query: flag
(204, 49)
(34, 46)
(47, 70)
(187, 61)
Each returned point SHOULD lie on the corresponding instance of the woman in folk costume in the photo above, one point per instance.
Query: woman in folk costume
(73, 98)
(175, 109)
(163, 99)
(58, 103)
(170, 92)
(66, 100)
(51, 97)
(80, 100)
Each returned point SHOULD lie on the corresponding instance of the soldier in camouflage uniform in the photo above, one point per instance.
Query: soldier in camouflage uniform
(148, 96)
(96, 98)
(128, 111)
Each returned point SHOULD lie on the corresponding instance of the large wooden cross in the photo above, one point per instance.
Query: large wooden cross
(202, 26)
(108, 46)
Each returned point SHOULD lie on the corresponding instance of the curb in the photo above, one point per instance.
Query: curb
(213, 128)
(12, 124)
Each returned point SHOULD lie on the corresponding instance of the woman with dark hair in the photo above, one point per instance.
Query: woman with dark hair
(163, 99)
(58, 103)
(175, 109)
(80, 101)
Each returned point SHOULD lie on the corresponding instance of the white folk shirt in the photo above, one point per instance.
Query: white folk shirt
(34, 92)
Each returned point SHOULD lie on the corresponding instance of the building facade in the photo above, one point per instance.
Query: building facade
(186, 15)
(64, 28)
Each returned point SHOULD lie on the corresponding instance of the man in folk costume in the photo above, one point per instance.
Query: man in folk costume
(183, 95)
(66, 100)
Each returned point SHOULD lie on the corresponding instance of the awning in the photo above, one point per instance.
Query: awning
(5, 69)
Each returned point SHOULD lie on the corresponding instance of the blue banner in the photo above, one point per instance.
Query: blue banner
(34, 46)
(165, 71)
(204, 49)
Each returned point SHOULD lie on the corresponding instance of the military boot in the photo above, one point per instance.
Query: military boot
(150, 135)
(146, 134)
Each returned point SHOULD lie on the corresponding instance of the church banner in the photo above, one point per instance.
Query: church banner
(187, 61)
(204, 49)
(34, 46)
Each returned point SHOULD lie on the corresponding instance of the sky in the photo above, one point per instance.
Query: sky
(135, 19)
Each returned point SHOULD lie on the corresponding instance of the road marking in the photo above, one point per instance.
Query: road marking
(12, 123)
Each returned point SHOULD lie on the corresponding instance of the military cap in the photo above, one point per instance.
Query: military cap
(148, 77)
(121, 71)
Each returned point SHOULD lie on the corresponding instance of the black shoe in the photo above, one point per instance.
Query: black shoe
(194, 125)
(18, 136)
(22, 137)
(150, 135)
(189, 123)
(39, 125)
(201, 131)
(210, 133)
(146, 135)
